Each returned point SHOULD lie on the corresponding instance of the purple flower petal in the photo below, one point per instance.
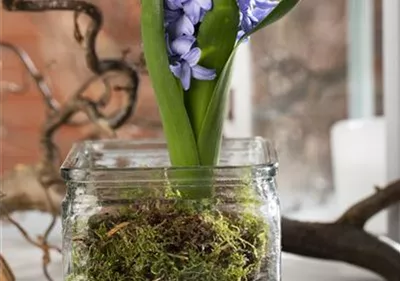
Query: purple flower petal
(174, 4)
(202, 73)
(246, 24)
(192, 10)
(176, 69)
(205, 4)
(167, 41)
(240, 34)
(202, 14)
(260, 14)
(186, 76)
(253, 18)
(180, 19)
(254, 11)
(192, 57)
(182, 27)
(266, 4)
(182, 45)
(244, 5)
(171, 16)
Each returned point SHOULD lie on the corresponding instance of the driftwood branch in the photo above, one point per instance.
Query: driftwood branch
(5, 271)
(27, 237)
(39, 187)
(24, 192)
(98, 66)
(45, 173)
(360, 213)
(345, 239)
(34, 73)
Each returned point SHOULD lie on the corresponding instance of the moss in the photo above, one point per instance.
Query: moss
(170, 240)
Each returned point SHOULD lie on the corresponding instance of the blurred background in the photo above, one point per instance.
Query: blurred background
(292, 84)
(312, 83)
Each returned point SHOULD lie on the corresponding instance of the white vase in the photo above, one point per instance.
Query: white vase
(359, 163)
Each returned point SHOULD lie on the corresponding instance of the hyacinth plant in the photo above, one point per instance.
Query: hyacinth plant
(147, 229)
(190, 47)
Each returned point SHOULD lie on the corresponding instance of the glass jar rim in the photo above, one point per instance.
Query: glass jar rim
(78, 164)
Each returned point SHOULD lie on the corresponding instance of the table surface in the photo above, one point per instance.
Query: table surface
(25, 260)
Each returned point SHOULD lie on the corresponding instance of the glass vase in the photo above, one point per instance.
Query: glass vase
(129, 215)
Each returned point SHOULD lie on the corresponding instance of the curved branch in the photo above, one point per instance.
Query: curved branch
(34, 73)
(46, 188)
(55, 120)
(341, 242)
(360, 213)
(99, 67)
(25, 234)
(45, 174)
(345, 240)
(5, 271)
(24, 192)
(44, 89)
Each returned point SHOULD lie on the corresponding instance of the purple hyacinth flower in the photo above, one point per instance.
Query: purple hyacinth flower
(260, 14)
(263, 8)
(202, 15)
(183, 26)
(180, 18)
(187, 67)
(182, 45)
(266, 4)
(171, 16)
(175, 19)
(244, 5)
(247, 21)
(252, 12)
(195, 9)
(174, 4)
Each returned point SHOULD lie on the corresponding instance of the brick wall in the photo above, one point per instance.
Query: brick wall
(48, 39)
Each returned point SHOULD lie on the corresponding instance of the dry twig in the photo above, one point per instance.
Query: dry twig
(34, 73)
(5, 272)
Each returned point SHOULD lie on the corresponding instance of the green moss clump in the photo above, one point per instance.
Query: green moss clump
(170, 240)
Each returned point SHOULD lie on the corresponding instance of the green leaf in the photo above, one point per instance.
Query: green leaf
(216, 39)
(169, 93)
(210, 136)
